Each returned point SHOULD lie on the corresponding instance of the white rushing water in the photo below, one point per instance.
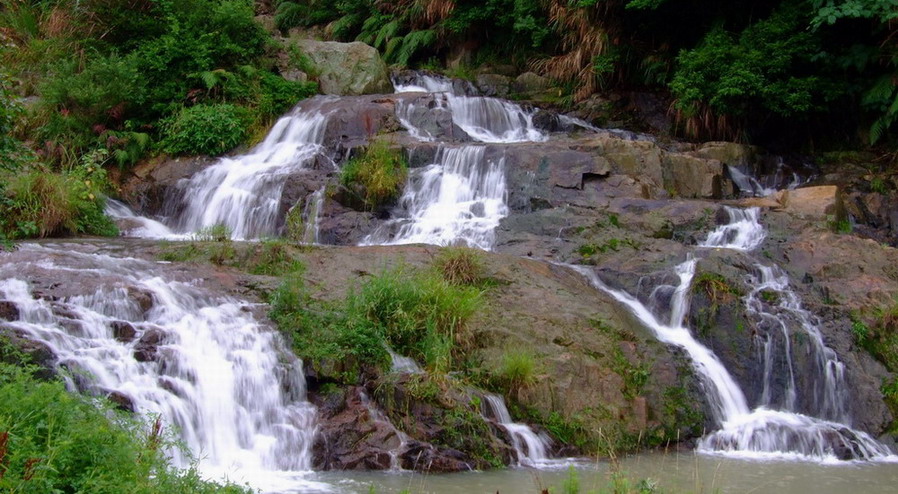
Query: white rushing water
(530, 448)
(400, 364)
(203, 364)
(743, 232)
(243, 192)
(138, 226)
(762, 432)
(458, 199)
(483, 118)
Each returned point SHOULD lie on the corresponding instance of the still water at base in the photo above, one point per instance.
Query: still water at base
(670, 472)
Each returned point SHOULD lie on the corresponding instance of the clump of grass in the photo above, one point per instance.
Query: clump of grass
(715, 286)
(273, 259)
(40, 203)
(213, 233)
(517, 369)
(460, 265)
(417, 314)
(377, 176)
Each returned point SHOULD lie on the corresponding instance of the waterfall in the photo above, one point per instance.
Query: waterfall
(747, 184)
(203, 364)
(458, 199)
(312, 217)
(484, 119)
(137, 226)
(530, 448)
(243, 192)
(744, 231)
(400, 364)
(763, 431)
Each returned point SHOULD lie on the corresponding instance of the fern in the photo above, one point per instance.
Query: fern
(343, 27)
(387, 32)
(413, 42)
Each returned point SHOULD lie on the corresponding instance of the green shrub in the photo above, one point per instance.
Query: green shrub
(377, 176)
(53, 441)
(730, 79)
(205, 129)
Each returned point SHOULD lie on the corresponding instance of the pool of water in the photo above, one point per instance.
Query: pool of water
(671, 472)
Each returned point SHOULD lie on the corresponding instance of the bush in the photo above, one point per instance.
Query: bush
(53, 441)
(205, 129)
(768, 69)
(377, 176)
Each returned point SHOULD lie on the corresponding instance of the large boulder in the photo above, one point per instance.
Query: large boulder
(813, 202)
(346, 69)
(691, 177)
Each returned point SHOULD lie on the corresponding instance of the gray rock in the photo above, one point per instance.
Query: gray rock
(346, 68)
(494, 85)
(8, 311)
(530, 83)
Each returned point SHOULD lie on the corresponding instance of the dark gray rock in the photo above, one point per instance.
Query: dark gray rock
(8, 311)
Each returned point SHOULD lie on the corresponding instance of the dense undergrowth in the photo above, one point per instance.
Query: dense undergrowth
(101, 83)
(735, 70)
(53, 441)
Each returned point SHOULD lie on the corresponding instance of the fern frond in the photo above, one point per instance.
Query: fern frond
(387, 32)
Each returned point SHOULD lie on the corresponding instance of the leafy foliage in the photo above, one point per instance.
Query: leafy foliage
(764, 70)
(205, 129)
(54, 441)
(38, 203)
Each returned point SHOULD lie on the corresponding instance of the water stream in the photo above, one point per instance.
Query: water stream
(169, 348)
(764, 431)
(531, 449)
(243, 192)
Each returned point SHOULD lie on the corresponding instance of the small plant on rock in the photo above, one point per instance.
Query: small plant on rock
(460, 265)
(377, 176)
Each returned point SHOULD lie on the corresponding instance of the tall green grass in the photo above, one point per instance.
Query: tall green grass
(416, 313)
(377, 175)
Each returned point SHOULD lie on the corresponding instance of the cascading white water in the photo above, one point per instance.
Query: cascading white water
(484, 119)
(530, 448)
(312, 217)
(493, 120)
(458, 199)
(137, 226)
(403, 439)
(424, 83)
(726, 399)
(747, 184)
(761, 432)
(744, 231)
(400, 364)
(243, 192)
(203, 364)
(786, 313)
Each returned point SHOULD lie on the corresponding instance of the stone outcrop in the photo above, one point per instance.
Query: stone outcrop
(346, 69)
